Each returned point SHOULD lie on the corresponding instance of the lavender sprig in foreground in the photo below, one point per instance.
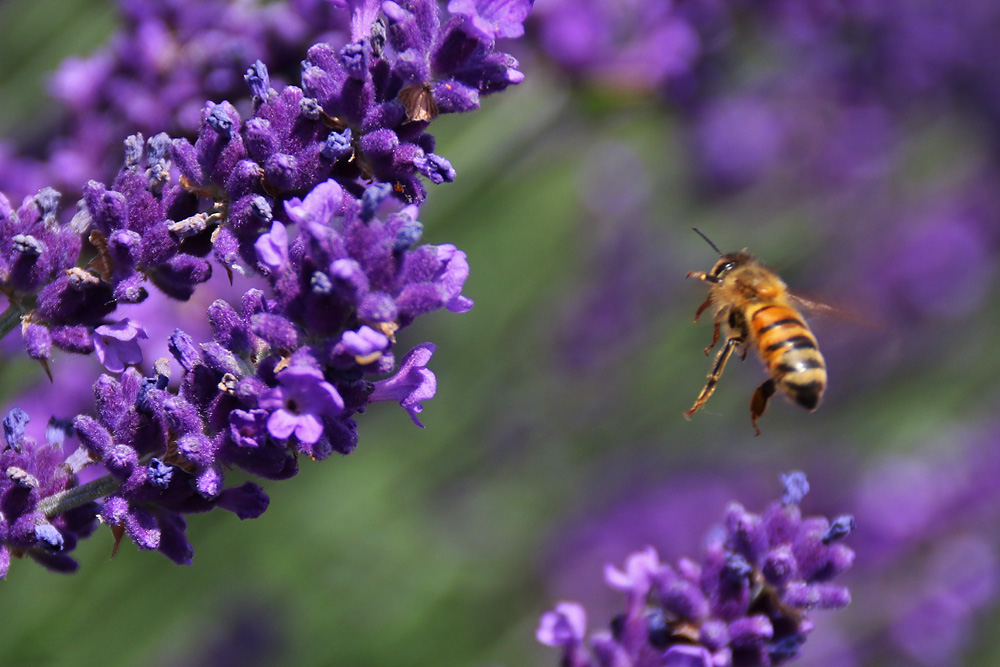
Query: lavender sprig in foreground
(745, 603)
(318, 192)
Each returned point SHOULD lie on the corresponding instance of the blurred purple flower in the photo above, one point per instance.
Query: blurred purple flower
(744, 603)
(493, 19)
(637, 44)
(155, 75)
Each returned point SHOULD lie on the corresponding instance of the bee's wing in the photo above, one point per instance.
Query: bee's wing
(826, 310)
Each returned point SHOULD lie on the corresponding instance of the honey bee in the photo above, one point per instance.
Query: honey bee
(753, 308)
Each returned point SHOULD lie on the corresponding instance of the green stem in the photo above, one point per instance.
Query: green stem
(9, 319)
(81, 495)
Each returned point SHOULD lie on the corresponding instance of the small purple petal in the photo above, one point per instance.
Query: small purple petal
(413, 383)
(492, 19)
(272, 248)
(750, 631)
(13, 428)
(364, 342)
(563, 626)
(816, 596)
(300, 403)
(638, 573)
(319, 206)
(687, 656)
(796, 487)
(247, 501)
(117, 345)
(454, 275)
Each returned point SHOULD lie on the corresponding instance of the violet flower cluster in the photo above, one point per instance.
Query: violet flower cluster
(746, 602)
(154, 76)
(318, 191)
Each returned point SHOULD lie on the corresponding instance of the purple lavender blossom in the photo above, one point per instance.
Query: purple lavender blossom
(303, 184)
(365, 345)
(377, 104)
(272, 248)
(492, 19)
(744, 603)
(117, 345)
(156, 74)
(299, 404)
(34, 472)
(637, 45)
(565, 627)
(413, 383)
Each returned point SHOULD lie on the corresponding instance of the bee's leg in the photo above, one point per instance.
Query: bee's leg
(737, 322)
(715, 337)
(713, 377)
(719, 318)
(701, 309)
(758, 403)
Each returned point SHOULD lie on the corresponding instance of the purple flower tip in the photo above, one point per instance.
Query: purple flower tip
(687, 656)
(372, 198)
(638, 573)
(300, 403)
(338, 145)
(160, 473)
(455, 273)
(839, 529)
(117, 345)
(796, 487)
(247, 502)
(413, 383)
(492, 19)
(363, 15)
(13, 428)
(750, 631)
(365, 344)
(563, 626)
(272, 248)
(319, 206)
(258, 80)
(49, 537)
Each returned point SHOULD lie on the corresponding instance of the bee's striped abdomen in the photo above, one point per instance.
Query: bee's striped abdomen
(790, 352)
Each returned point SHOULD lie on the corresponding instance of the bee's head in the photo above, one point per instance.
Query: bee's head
(728, 262)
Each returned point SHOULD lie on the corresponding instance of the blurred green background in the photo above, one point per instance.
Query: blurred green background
(560, 400)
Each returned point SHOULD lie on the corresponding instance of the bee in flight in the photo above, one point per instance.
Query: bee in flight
(753, 308)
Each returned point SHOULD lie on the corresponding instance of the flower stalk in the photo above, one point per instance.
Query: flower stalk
(78, 496)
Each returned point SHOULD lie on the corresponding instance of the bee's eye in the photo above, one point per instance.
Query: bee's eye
(724, 268)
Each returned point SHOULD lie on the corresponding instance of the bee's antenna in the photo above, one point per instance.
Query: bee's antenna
(707, 240)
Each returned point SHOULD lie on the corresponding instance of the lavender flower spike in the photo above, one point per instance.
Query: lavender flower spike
(317, 189)
(744, 604)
